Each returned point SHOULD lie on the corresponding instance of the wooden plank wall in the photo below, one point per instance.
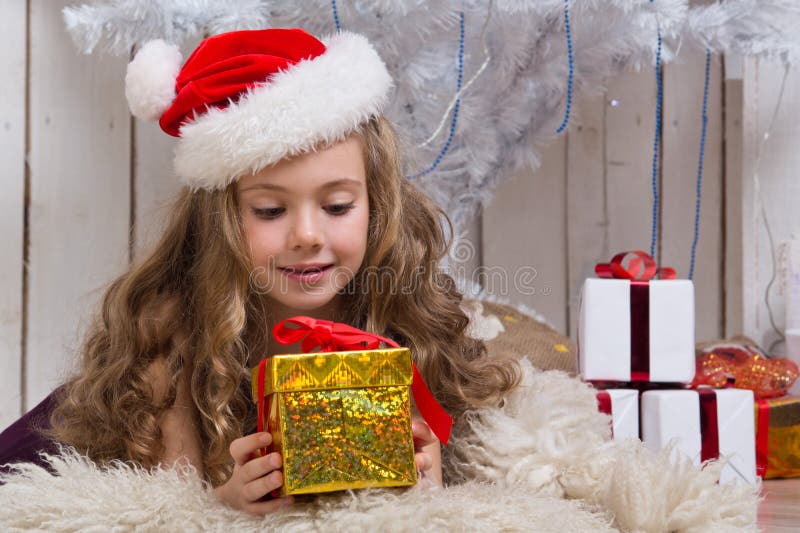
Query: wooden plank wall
(524, 231)
(683, 86)
(604, 167)
(769, 153)
(13, 61)
(97, 185)
(732, 213)
(79, 205)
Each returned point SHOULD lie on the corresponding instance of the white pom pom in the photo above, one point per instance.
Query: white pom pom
(150, 80)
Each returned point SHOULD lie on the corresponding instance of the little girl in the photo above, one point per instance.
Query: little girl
(294, 203)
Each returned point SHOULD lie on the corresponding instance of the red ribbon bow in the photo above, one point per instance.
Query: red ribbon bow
(641, 267)
(334, 336)
(328, 336)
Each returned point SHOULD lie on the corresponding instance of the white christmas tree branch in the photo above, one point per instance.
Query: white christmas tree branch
(513, 103)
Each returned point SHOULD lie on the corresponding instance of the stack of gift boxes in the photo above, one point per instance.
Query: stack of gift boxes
(636, 344)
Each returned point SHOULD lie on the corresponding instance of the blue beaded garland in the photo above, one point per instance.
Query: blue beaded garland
(656, 142)
(699, 187)
(571, 69)
(455, 108)
(336, 15)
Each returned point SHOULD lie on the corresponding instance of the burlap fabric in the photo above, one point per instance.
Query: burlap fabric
(523, 336)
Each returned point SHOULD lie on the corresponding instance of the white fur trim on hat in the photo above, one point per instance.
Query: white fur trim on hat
(150, 79)
(314, 101)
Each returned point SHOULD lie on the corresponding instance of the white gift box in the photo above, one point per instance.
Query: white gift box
(669, 415)
(624, 412)
(605, 332)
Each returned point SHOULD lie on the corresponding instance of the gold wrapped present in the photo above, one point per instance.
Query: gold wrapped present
(341, 420)
(778, 437)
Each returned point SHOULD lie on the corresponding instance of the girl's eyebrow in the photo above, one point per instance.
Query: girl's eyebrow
(328, 185)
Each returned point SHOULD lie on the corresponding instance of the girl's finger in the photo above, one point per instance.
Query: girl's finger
(244, 448)
(258, 488)
(262, 508)
(422, 434)
(261, 466)
(423, 460)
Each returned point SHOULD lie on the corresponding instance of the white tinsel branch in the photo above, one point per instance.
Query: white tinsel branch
(515, 105)
(119, 25)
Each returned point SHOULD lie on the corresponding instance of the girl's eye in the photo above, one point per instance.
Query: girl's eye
(339, 209)
(268, 212)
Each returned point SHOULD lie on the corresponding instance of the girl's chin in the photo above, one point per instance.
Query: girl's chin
(306, 304)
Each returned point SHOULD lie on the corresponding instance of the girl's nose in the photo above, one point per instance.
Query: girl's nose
(305, 233)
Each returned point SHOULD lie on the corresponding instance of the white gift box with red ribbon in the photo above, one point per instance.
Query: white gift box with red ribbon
(623, 406)
(704, 424)
(636, 329)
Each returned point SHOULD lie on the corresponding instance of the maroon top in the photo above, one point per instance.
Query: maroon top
(22, 441)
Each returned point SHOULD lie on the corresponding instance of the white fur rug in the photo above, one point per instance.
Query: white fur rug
(542, 462)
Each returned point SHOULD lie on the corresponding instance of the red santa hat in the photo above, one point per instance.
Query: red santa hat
(247, 99)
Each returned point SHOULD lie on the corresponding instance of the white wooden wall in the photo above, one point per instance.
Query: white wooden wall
(85, 188)
(13, 181)
(778, 160)
(592, 196)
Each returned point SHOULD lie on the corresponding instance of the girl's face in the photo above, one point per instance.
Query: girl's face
(305, 220)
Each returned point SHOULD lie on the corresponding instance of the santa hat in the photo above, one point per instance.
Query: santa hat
(247, 99)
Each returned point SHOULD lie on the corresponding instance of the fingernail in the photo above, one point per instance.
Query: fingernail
(265, 438)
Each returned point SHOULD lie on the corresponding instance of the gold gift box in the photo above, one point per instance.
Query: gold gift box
(340, 420)
(783, 436)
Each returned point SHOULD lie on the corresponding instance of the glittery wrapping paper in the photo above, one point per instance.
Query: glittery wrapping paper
(341, 420)
(783, 457)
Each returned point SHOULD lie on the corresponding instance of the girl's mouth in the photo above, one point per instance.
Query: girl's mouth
(310, 274)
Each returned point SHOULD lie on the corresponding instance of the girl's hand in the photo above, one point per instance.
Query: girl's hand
(253, 477)
(427, 452)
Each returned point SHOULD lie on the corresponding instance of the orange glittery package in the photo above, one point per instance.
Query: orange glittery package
(739, 363)
(778, 437)
(341, 420)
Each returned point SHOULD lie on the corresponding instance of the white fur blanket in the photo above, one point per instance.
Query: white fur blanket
(543, 461)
